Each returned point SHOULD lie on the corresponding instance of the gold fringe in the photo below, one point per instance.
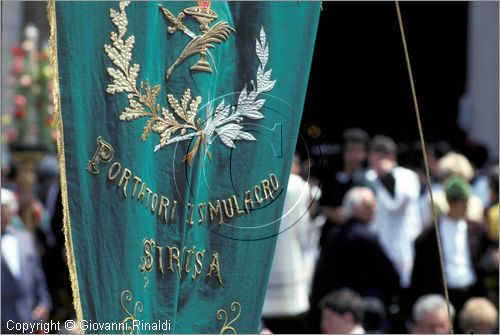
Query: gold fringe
(70, 254)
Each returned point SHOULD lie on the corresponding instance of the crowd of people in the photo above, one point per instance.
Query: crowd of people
(357, 252)
(363, 255)
(35, 277)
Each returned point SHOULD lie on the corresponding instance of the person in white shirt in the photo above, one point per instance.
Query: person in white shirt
(286, 302)
(342, 312)
(464, 244)
(25, 297)
(397, 221)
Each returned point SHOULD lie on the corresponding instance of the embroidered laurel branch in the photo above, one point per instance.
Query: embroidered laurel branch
(143, 101)
(226, 118)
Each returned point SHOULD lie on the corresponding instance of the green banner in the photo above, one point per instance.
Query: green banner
(177, 123)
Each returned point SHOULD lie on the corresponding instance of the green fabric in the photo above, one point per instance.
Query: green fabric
(109, 229)
(456, 188)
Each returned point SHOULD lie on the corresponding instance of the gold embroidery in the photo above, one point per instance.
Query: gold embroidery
(149, 195)
(163, 205)
(223, 123)
(228, 326)
(267, 190)
(212, 211)
(142, 192)
(112, 176)
(215, 267)
(143, 100)
(172, 212)
(228, 208)
(131, 317)
(172, 257)
(215, 210)
(237, 206)
(125, 176)
(160, 258)
(154, 200)
(201, 210)
(256, 191)
(190, 208)
(58, 121)
(104, 153)
(218, 210)
(248, 201)
(199, 44)
(187, 258)
(144, 195)
(137, 181)
(147, 261)
(175, 21)
(198, 265)
(274, 181)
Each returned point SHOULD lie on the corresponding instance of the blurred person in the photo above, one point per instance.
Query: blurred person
(48, 181)
(353, 257)
(286, 302)
(492, 211)
(52, 238)
(15, 219)
(452, 164)
(455, 164)
(24, 290)
(10, 181)
(374, 321)
(55, 265)
(478, 316)
(491, 262)
(47, 190)
(435, 151)
(342, 312)
(9, 171)
(477, 154)
(308, 170)
(354, 145)
(397, 221)
(430, 315)
(464, 243)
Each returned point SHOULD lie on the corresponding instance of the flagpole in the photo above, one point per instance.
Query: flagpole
(426, 164)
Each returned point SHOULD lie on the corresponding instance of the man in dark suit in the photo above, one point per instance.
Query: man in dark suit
(24, 290)
(353, 257)
(350, 174)
(464, 243)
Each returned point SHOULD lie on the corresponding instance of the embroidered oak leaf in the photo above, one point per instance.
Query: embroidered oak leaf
(134, 111)
(120, 53)
(143, 101)
(183, 110)
(186, 110)
(161, 120)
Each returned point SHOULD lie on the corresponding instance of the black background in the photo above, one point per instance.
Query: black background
(359, 76)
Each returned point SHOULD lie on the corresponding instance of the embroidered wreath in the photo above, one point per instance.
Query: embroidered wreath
(178, 123)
